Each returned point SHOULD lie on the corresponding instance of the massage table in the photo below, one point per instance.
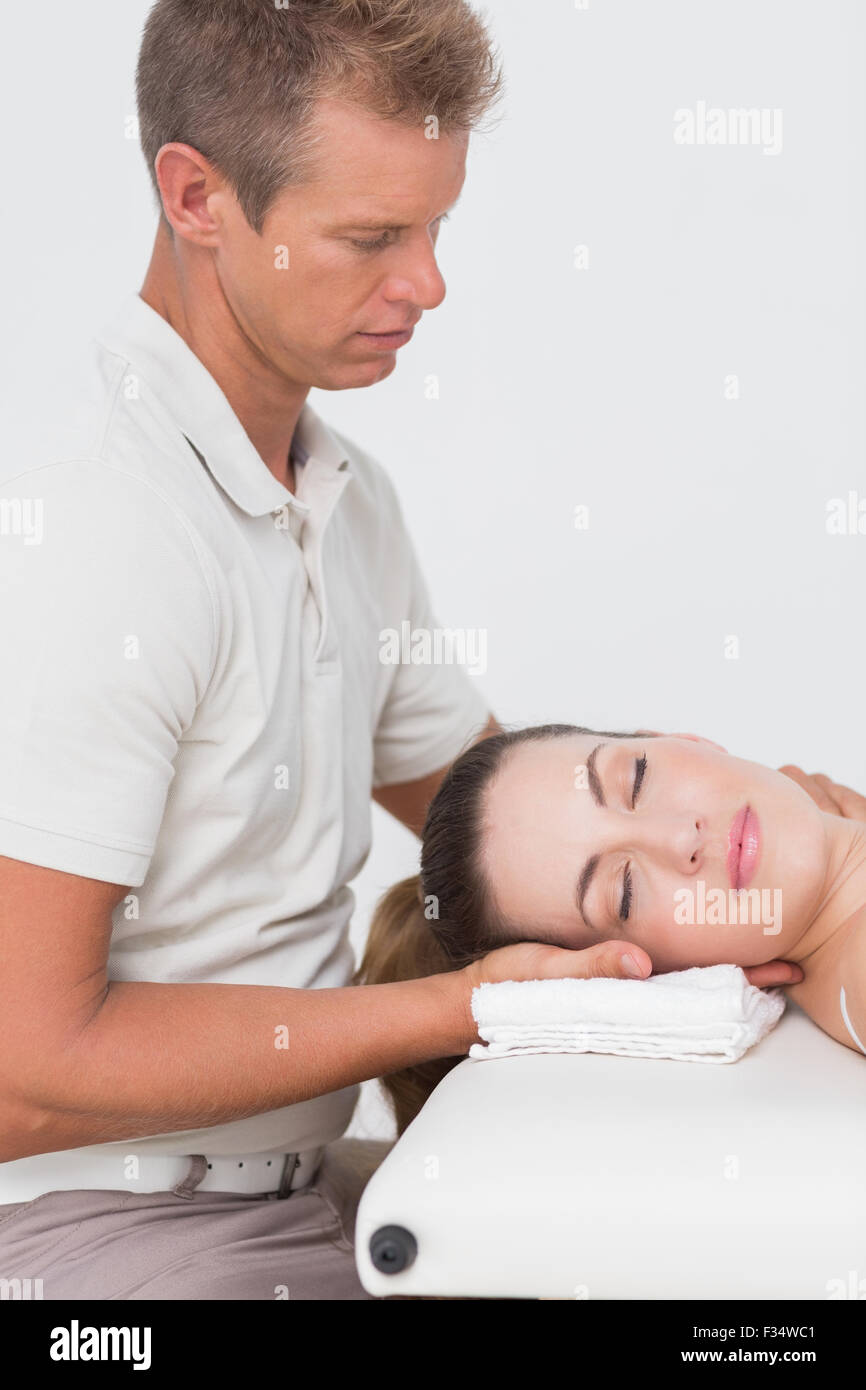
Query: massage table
(592, 1176)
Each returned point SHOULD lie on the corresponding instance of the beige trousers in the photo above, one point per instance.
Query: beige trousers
(101, 1244)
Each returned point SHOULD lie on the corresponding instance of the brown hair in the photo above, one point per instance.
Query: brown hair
(238, 79)
(444, 918)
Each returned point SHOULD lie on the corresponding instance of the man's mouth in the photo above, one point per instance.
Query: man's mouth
(389, 340)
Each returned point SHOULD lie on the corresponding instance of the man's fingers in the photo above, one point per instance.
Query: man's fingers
(850, 804)
(537, 960)
(829, 788)
(774, 972)
(812, 786)
(828, 795)
(608, 961)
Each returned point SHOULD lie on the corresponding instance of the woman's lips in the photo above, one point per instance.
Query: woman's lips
(744, 845)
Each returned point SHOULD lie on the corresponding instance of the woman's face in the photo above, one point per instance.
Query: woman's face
(647, 840)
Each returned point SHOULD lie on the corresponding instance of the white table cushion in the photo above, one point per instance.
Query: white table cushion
(607, 1177)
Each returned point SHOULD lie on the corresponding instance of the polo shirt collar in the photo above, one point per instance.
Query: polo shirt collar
(202, 412)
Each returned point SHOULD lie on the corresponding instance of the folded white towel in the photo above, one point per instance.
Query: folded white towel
(706, 1014)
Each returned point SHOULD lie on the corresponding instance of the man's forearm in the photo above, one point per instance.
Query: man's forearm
(162, 1057)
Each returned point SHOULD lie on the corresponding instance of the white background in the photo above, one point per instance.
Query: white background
(557, 387)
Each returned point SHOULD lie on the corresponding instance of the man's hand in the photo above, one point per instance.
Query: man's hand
(532, 960)
(773, 972)
(829, 796)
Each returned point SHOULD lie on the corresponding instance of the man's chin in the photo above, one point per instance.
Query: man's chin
(350, 375)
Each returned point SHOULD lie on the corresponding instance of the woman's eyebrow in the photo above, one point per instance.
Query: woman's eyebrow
(592, 776)
(585, 878)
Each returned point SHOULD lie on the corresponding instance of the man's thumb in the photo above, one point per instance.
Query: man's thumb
(610, 962)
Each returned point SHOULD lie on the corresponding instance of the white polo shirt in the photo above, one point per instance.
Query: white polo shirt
(193, 702)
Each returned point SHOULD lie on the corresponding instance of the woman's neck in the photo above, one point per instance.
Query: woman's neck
(842, 908)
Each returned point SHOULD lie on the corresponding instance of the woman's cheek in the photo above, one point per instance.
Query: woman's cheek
(683, 947)
(673, 946)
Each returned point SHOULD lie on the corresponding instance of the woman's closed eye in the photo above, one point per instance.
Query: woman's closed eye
(639, 773)
(640, 765)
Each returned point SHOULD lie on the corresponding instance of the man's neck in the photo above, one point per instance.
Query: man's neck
(267, 405)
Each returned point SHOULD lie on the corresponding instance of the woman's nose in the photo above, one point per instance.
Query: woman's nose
(677, 841)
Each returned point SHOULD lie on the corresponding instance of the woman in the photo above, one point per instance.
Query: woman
(564, 836)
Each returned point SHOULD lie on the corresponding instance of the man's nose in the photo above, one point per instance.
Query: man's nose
(419, 280)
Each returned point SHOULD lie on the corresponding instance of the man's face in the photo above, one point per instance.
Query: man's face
(348, 275)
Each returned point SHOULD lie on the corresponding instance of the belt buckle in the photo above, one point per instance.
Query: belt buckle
(291, 1163)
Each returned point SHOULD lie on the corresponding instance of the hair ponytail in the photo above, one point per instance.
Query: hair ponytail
(402, 946)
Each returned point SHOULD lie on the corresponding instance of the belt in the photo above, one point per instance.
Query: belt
(24, 1179)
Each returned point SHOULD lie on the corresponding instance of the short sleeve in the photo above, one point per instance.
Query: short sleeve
(108, 636)
(434, 707)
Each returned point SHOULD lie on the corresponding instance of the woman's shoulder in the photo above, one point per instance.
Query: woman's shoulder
(833, 992)
(851, 978)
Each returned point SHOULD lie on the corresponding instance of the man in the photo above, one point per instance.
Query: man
(195, 713)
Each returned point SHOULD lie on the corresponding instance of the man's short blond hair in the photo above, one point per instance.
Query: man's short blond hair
(238, 79)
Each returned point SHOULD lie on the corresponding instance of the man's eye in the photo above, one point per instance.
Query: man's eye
(385, 239)
(625, 904)
(639, 770)
(378, 245)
